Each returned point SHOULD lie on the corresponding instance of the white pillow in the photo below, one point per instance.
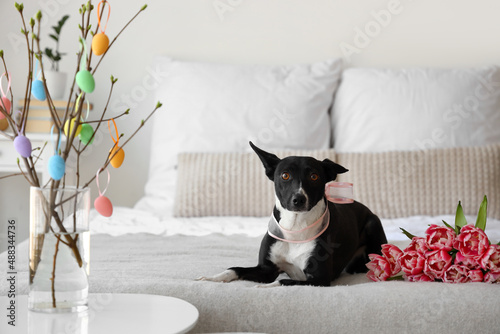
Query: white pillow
(211, 107)
(412, 109)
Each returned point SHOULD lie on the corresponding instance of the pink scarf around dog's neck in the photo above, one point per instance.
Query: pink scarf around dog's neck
(277, 232)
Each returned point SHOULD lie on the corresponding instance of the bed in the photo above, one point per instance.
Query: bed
(416, 141)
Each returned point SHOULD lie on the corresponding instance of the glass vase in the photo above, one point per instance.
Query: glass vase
(59, 249)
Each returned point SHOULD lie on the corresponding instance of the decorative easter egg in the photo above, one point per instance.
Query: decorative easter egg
(100, 43)
(23, 146)
(68, 130)
(103, 205)
(4, 124)
(5, 102)
(56, 167)
(117, 160)
(86, 134)
(85, 81)
(38, 90)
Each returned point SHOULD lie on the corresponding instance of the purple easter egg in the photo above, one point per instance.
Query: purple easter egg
(22, 146)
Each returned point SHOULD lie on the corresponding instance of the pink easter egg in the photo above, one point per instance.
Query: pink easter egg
(23, 146)
(103, 205)
(5, 102)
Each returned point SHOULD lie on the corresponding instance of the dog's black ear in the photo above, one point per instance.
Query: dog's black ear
(332, 169)
(269, 160)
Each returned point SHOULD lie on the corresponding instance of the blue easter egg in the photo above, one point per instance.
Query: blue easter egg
(23, 146)
(85, 81)
(38, 90)
(57, 167)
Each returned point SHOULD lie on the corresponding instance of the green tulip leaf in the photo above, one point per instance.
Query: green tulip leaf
(460, 220)
(481, 215)
(448, 225)
(408, 234)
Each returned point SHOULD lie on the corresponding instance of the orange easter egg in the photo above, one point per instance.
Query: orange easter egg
(100, 43)
(103, 205)
(117, 160)
(4, 124)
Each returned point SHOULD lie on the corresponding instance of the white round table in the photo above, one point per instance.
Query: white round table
(107, 313)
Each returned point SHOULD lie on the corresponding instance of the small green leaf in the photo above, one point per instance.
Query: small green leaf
(63, 20)
(408, 234)
(460, 220)
(127, 111)
(1, 53)
(142, 122)
(19, 7)
(481, 215)
(144, 7)
(396, 278)
(32, 22)
(54, 37)
(158, 104)
(38, 15)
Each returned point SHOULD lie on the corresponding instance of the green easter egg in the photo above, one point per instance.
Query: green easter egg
(86, 133)
(85, 81)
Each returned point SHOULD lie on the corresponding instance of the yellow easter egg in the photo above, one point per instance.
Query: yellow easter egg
(117, 160)
(68, 130)
(100, 44)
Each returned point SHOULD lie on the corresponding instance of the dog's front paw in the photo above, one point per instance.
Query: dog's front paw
(268, 285)
(225, 277)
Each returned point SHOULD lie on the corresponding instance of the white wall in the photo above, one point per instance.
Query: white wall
(378, 32)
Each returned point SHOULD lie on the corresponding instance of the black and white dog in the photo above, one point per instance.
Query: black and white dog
(309, 238)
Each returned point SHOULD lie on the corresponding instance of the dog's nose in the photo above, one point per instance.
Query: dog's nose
(298, 200)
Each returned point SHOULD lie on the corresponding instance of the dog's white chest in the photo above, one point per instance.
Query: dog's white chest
(292, 258)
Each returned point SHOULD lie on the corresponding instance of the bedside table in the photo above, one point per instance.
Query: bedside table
(107, 313)
(9, 155)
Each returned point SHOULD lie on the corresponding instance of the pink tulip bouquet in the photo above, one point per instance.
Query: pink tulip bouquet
(448, 254)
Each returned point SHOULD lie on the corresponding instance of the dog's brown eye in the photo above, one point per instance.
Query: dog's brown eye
(285, 176)
(314, 177)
